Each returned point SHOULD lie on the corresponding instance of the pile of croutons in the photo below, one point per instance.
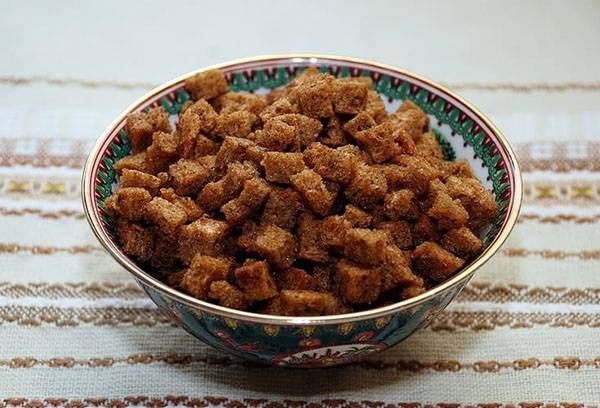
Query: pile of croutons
(310, 200)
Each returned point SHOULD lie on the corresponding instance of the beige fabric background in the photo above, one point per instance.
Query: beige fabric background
(75, 331)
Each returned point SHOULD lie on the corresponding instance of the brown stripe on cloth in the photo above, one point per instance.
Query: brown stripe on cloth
(450, 320)
(441, 366)
(213, 401)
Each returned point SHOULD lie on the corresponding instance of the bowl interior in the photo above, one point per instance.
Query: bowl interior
(462, 131)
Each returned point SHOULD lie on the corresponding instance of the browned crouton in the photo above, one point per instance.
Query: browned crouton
(166, 215)
(277, 135)
(203, 236)
(141, 126)
(401, 204)
(367, 188)
(357, 283)
(364, 245)
(135, 178)
(411, 118)
(478, 202)
(309, 245)
(240, 101)
(255, 279)
(357, 217)
(134, 162)
(448, 213)
(399, 233)
(162, 152)
(313, 190)
(315, 95)
(137, 241)
(206, 85)
(425, 229)
(359, 123)
(379, 141)
(296, 279)
(280, 166)
(461, 242)
(202, 272)
(217, 193)
(309, 303)
(227, 295)
(128, 202)
(280, 107)
(411, 172)
(427, 145)
(350, 95)
(334, 133)
(375, 107)
(396, 271)
(188, 176)
(275, 244)
(307, 129)
(435, 262)
(332, 232)
(235, 124)
(331, 164)
(236, 149)
(282, 208)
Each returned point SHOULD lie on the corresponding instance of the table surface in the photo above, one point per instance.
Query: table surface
(527, 329)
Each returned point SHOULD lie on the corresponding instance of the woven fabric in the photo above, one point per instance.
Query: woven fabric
(76, 331)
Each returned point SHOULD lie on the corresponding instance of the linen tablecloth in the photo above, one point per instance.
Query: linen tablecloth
(76, 331)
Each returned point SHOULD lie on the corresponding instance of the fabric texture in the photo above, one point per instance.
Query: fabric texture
(76, 331)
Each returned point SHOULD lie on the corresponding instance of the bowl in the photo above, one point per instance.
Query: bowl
(463, 132)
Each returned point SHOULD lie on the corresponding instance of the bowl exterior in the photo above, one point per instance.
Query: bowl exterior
(302, 346)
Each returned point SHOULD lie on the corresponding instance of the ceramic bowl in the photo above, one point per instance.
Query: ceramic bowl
(464, 133)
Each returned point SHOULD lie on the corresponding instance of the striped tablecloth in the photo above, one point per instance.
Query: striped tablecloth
(75, 330)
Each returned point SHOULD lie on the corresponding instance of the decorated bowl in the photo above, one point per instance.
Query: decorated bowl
(463, 132)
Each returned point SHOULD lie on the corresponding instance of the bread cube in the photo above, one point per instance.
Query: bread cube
(412, 291)
(411, 118)
(334, 133)
(309, 245)
(332, 164)
(367, 188)
(364, 245)
(332, 232)
(140, 127)
(425, 229)
(401, 204)
(462, 242)
(128, 202)
(236, 149)
(350, 96)
(399, 233)
(273, 243)
(280, 166)
(375, 107)
(164, 256)
(448, 213)
(427, 145)
(307, 129)
(313, 190)
(296, 279)
(434, 262)
(357, 217)
(280, 107)
(188, 176)
(134, 162)
(396, 271)
(162, 152)
(358, 284)
(206, 85)
(411, 172)
(379, 141)
(309, 303)
(137, 241)
(135, 178)
(240, 101)
(256, 281)
(203, 236)
(203, 271)
(359, 123)
(235, 124)
(278, 136)
(479, 203)
(169, 217)
(282, 208)
(315, 95)
(217, 193)
(227, 295)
